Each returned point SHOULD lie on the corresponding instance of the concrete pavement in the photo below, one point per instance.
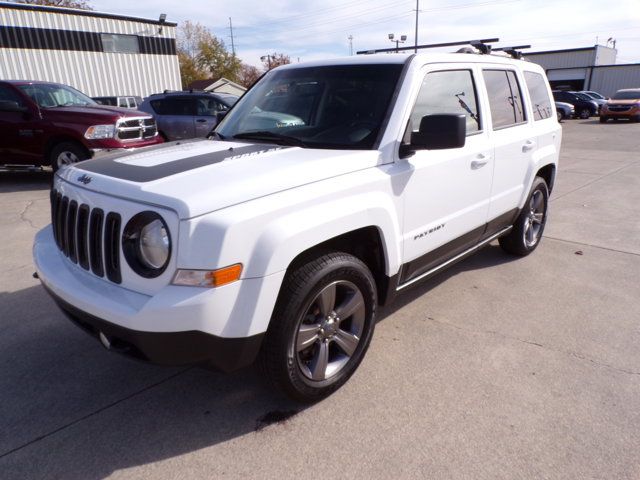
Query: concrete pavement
(500, 368)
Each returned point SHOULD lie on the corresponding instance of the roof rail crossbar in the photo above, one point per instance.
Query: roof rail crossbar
(482, 47)
(431, 45)
(514, 51)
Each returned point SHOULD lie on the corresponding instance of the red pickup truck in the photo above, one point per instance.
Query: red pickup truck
(43, 123)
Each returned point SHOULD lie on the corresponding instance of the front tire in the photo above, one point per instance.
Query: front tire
(603, 119)
(66, 153)
(584, 113)
(321, 327)
(527, 230)
(559, 115)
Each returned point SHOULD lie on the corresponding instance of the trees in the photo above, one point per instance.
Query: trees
(81, 4)
(202, 55)
(274, 60)
(248, 75)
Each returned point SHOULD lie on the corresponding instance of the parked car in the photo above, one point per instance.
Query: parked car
(182, 115)
(125, 101)
(596, 97)
(278, 242)
(624, 104)
(565, 110)
(45, 123)
(584, 107)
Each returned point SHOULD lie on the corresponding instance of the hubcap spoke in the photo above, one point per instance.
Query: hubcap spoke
(348, 342)
(537, 218)
(327, 300)
(537, 201)
(318, 366)
(530, 235)
(307, 335)
(350, 306)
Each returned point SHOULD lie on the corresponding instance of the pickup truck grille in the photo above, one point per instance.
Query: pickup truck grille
(88, 236)
(137, 128)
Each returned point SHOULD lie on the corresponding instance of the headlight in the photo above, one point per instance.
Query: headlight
(146, 244)
(100, 131)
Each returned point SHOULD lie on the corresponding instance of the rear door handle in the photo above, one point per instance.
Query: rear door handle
(528, 145)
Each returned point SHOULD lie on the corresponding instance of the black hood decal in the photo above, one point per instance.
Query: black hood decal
(111, 167)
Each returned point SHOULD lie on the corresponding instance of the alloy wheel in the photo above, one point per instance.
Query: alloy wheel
(534, 221)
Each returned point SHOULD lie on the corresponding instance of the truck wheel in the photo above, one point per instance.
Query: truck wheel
(528, 227)
(559, 115)
(584, 113)
(321, 327)
(66, 153)
(603, 119)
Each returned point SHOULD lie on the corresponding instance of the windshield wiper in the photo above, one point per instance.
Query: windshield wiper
(278, 138)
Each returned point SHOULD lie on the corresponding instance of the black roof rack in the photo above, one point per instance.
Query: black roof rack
(479, 44)
(513, 51)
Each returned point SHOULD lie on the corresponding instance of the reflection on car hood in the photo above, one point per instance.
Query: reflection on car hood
(200, 176)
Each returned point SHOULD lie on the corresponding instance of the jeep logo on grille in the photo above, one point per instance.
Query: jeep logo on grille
(84, 179)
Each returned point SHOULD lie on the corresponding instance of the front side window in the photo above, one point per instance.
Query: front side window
(53, 95)
(540, 102)
(115, 43)
(505, 98)
(452, 92)
(338, 106)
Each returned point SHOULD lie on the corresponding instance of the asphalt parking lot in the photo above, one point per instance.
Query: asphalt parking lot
(500, 368)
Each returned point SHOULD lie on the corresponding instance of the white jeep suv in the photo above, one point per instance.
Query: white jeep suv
(328, 188)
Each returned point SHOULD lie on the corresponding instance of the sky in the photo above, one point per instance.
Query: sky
(310, 30)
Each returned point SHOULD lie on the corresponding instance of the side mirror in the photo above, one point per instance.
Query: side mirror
(440, 131)
(11, 106)
(220, 116)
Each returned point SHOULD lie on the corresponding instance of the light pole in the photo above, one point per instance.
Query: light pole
(268, 59)
(403, 38)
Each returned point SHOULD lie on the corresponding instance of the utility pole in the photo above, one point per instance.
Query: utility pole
(350, 37)
(233, 47)
(415, 50)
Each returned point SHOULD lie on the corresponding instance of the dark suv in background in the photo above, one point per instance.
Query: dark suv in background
(584, 106)
(44, 123)
(182, 115)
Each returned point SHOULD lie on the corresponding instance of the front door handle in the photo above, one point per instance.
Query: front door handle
(481, 161)
(528, 145)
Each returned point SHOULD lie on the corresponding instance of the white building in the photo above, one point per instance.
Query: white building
(100, 54)
(589, 68)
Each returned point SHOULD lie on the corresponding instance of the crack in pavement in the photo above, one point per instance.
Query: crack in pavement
(91, 414)
(23, 214)
(536, 344)
(592, 246)
(592, 182)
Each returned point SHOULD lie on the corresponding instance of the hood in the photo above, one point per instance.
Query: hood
(632, 101)
(201, 176)
(96, 111)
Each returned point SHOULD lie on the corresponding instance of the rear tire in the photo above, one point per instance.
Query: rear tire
(66, 153)
(584, 113)
(559, 115)
(321, 327)
(603, 119)
(527, 230)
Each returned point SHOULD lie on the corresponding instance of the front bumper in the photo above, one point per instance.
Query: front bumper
(222, 327)
(166, 348)
(631, 113)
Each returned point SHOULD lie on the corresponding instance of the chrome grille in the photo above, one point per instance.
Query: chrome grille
(137, 128)
(87, 236)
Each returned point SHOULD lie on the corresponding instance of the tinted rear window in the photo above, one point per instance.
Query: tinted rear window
(505, 98)
(540, 101)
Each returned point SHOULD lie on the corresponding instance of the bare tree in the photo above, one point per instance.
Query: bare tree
(81, 4)
(274, 60)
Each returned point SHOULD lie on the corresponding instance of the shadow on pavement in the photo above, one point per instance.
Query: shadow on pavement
(20, 181)
(78, 412)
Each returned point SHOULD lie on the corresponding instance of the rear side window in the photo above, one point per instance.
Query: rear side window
(8, 95)
(173, 106)
(540, 101)
(450, 91)
(505, 98)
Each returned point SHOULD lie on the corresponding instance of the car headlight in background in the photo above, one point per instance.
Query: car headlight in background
(146, 244)
(97, 132)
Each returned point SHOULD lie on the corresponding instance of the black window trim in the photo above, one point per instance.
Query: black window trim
(524, 111)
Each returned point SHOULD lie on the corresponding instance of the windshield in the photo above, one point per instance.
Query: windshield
(584, 96)
(49, 95)
(629, 95)
(321, 107)
(595, 95)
